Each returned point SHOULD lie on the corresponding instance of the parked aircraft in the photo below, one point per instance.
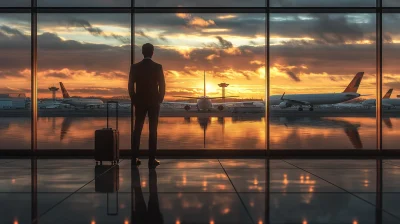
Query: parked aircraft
(286, 101)
(387, 102)
(204, 102)
(79, 102)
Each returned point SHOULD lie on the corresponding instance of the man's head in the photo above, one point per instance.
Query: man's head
(147, 50)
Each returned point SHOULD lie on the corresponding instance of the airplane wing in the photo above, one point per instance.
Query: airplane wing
(221, 97)
(295, 102)
(241, 103)
(180, 103)
(188, 97)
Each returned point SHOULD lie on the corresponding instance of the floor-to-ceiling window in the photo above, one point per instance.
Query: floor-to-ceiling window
(330, 57)
(15, 81)
(315, 47)
(83, 62)
(199, 52)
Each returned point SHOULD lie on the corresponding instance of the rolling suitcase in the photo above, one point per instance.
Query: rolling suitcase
(106, 146)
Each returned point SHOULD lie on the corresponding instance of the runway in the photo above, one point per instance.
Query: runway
(167, 112)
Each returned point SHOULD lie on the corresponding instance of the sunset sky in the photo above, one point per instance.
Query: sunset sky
(90, 53)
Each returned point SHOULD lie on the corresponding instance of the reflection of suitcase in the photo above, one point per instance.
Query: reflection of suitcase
(106, 146)
(107, 181)
(107, 178)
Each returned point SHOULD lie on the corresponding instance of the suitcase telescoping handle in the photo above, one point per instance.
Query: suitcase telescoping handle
(116, 103)
(108, 211)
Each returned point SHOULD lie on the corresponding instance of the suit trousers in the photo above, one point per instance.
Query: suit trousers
(140, 115)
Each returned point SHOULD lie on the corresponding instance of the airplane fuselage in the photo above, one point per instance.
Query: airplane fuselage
(83, 102)
(315, 99)
(385, 102)
(204, 103)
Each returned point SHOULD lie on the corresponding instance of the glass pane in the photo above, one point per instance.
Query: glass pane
(15, 76)
(199, 3)
(84, 60)
(220, 48)
(85, 3)
(391, 81)
(323, 3)
(320, 64)
(15, 3)
(391, 3)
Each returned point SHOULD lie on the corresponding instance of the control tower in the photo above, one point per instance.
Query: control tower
(54, 90)
(223, 86)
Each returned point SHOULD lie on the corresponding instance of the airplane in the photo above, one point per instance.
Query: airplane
(204, 102)
(79, 102)
(387, 102)
(286, 101)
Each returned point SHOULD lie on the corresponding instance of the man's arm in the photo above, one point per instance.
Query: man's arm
(161, 84)
(131, 84)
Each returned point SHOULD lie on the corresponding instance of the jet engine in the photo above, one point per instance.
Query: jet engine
(220, 107)
(283, 105)
(187, 107)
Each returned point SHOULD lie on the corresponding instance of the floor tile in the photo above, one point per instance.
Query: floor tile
(392, 163)
(15, 164)
(391, 180)
(353, 180)
(309, 208)
(65, 163)
(177, 164)
(15, 207)
(173, 180)
(63, 180)
(253, 164)
(390, 202)
(332, 164)
(173, 207)
(281, 180)
(15, 180)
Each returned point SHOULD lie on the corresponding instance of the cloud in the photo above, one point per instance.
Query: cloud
(143, 34)
(14, 32)
(293, 76)
(195, 21)
(200, 22)
(58, 75)
(95, 31)
(224, 43)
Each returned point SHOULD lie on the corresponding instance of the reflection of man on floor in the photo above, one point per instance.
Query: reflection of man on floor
(151, 215)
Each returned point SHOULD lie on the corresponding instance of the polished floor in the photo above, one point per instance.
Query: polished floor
(197, 191)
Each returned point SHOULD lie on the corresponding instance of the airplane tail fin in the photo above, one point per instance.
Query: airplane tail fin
(64, 91)
(355, 83)
(388, 94)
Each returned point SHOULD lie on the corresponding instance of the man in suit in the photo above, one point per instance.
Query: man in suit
(146, 89)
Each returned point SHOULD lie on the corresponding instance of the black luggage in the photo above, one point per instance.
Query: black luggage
(106, 146)
(107, 181)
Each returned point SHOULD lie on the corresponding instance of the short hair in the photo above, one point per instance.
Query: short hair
(147, 50)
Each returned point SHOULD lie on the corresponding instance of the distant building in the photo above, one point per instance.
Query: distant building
(13, 101)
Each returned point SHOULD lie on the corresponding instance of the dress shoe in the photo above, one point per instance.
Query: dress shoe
(153, 163)
(136, 162)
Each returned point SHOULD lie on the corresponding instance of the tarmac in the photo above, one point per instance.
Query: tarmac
(167, 112)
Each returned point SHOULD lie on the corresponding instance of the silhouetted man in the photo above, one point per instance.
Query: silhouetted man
(146, 89)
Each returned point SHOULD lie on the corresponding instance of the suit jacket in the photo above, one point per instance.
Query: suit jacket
(150, 83)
